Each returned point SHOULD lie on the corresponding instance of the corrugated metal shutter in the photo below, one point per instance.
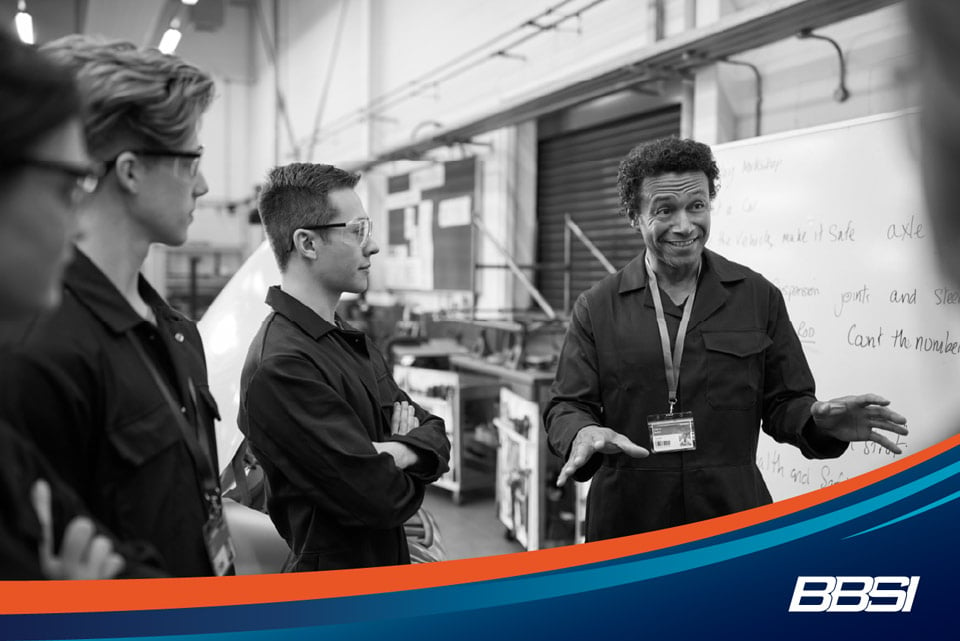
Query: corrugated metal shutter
(577, 175)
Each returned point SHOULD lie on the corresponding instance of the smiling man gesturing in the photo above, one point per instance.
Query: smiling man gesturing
(671, 366)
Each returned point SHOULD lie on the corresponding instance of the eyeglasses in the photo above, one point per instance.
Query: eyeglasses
(193, 155)
(85, 177)
(359, 228)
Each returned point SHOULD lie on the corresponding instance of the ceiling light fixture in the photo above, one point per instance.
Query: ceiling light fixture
(171, 38)
(24, 23)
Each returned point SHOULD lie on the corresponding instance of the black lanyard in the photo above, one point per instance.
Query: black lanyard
(201, 459)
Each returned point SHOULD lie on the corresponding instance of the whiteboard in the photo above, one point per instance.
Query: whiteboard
(833, 216)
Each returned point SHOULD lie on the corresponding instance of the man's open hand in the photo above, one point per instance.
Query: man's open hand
(593, 439)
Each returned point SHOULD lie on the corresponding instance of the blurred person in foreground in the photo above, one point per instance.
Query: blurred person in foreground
(937, 36)
(672, 365)
(44, 173)
(113, 384)
(346, 453)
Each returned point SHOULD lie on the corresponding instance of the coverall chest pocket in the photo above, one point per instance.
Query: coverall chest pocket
(735, 367)
(145, 477)
(145, 437)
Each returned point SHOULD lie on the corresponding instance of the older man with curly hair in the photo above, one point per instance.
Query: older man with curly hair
(671, 366)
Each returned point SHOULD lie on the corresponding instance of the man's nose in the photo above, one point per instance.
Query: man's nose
(201, 187)
(682, 223)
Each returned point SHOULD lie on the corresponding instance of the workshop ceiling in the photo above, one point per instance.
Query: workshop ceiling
(139, 21)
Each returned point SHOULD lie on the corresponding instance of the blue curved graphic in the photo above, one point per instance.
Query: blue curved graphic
(950, 497)
(735, 585)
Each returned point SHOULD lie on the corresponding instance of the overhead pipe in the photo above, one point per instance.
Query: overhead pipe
(328, 79)
(841, 93)
(451, 69)
(758, 86)
(282, 115)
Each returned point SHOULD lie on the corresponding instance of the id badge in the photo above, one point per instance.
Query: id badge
(220, 547)
(672, 432)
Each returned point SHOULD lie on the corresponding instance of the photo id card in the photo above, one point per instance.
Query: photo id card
(672, 432)
(220, 547)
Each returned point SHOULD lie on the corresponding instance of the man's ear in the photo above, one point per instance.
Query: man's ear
(305, 243)
(129, 172)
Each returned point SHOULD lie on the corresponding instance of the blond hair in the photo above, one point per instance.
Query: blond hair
(133, 96)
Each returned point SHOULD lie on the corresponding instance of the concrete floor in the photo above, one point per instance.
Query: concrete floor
(470, 529)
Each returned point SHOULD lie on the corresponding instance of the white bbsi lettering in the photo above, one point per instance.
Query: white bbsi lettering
(858, 593)
(879, 593)
(911, 593)
(801, 591)
(843, 591)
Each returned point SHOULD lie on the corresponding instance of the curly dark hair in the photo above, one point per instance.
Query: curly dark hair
(666, 155)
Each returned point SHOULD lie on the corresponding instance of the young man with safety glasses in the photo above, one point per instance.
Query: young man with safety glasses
(346, 453)
(114, 383)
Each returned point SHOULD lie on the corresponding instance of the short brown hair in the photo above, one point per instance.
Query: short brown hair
(295, 196)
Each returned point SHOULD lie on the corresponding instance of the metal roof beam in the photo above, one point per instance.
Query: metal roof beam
(742, 31)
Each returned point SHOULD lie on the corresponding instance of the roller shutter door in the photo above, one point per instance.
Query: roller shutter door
(577, 175)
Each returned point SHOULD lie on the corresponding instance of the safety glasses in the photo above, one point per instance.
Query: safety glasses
(358, 229)
(85, 177)
(192, 156)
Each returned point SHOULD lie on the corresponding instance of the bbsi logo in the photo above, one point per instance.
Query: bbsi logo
(854, 593)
